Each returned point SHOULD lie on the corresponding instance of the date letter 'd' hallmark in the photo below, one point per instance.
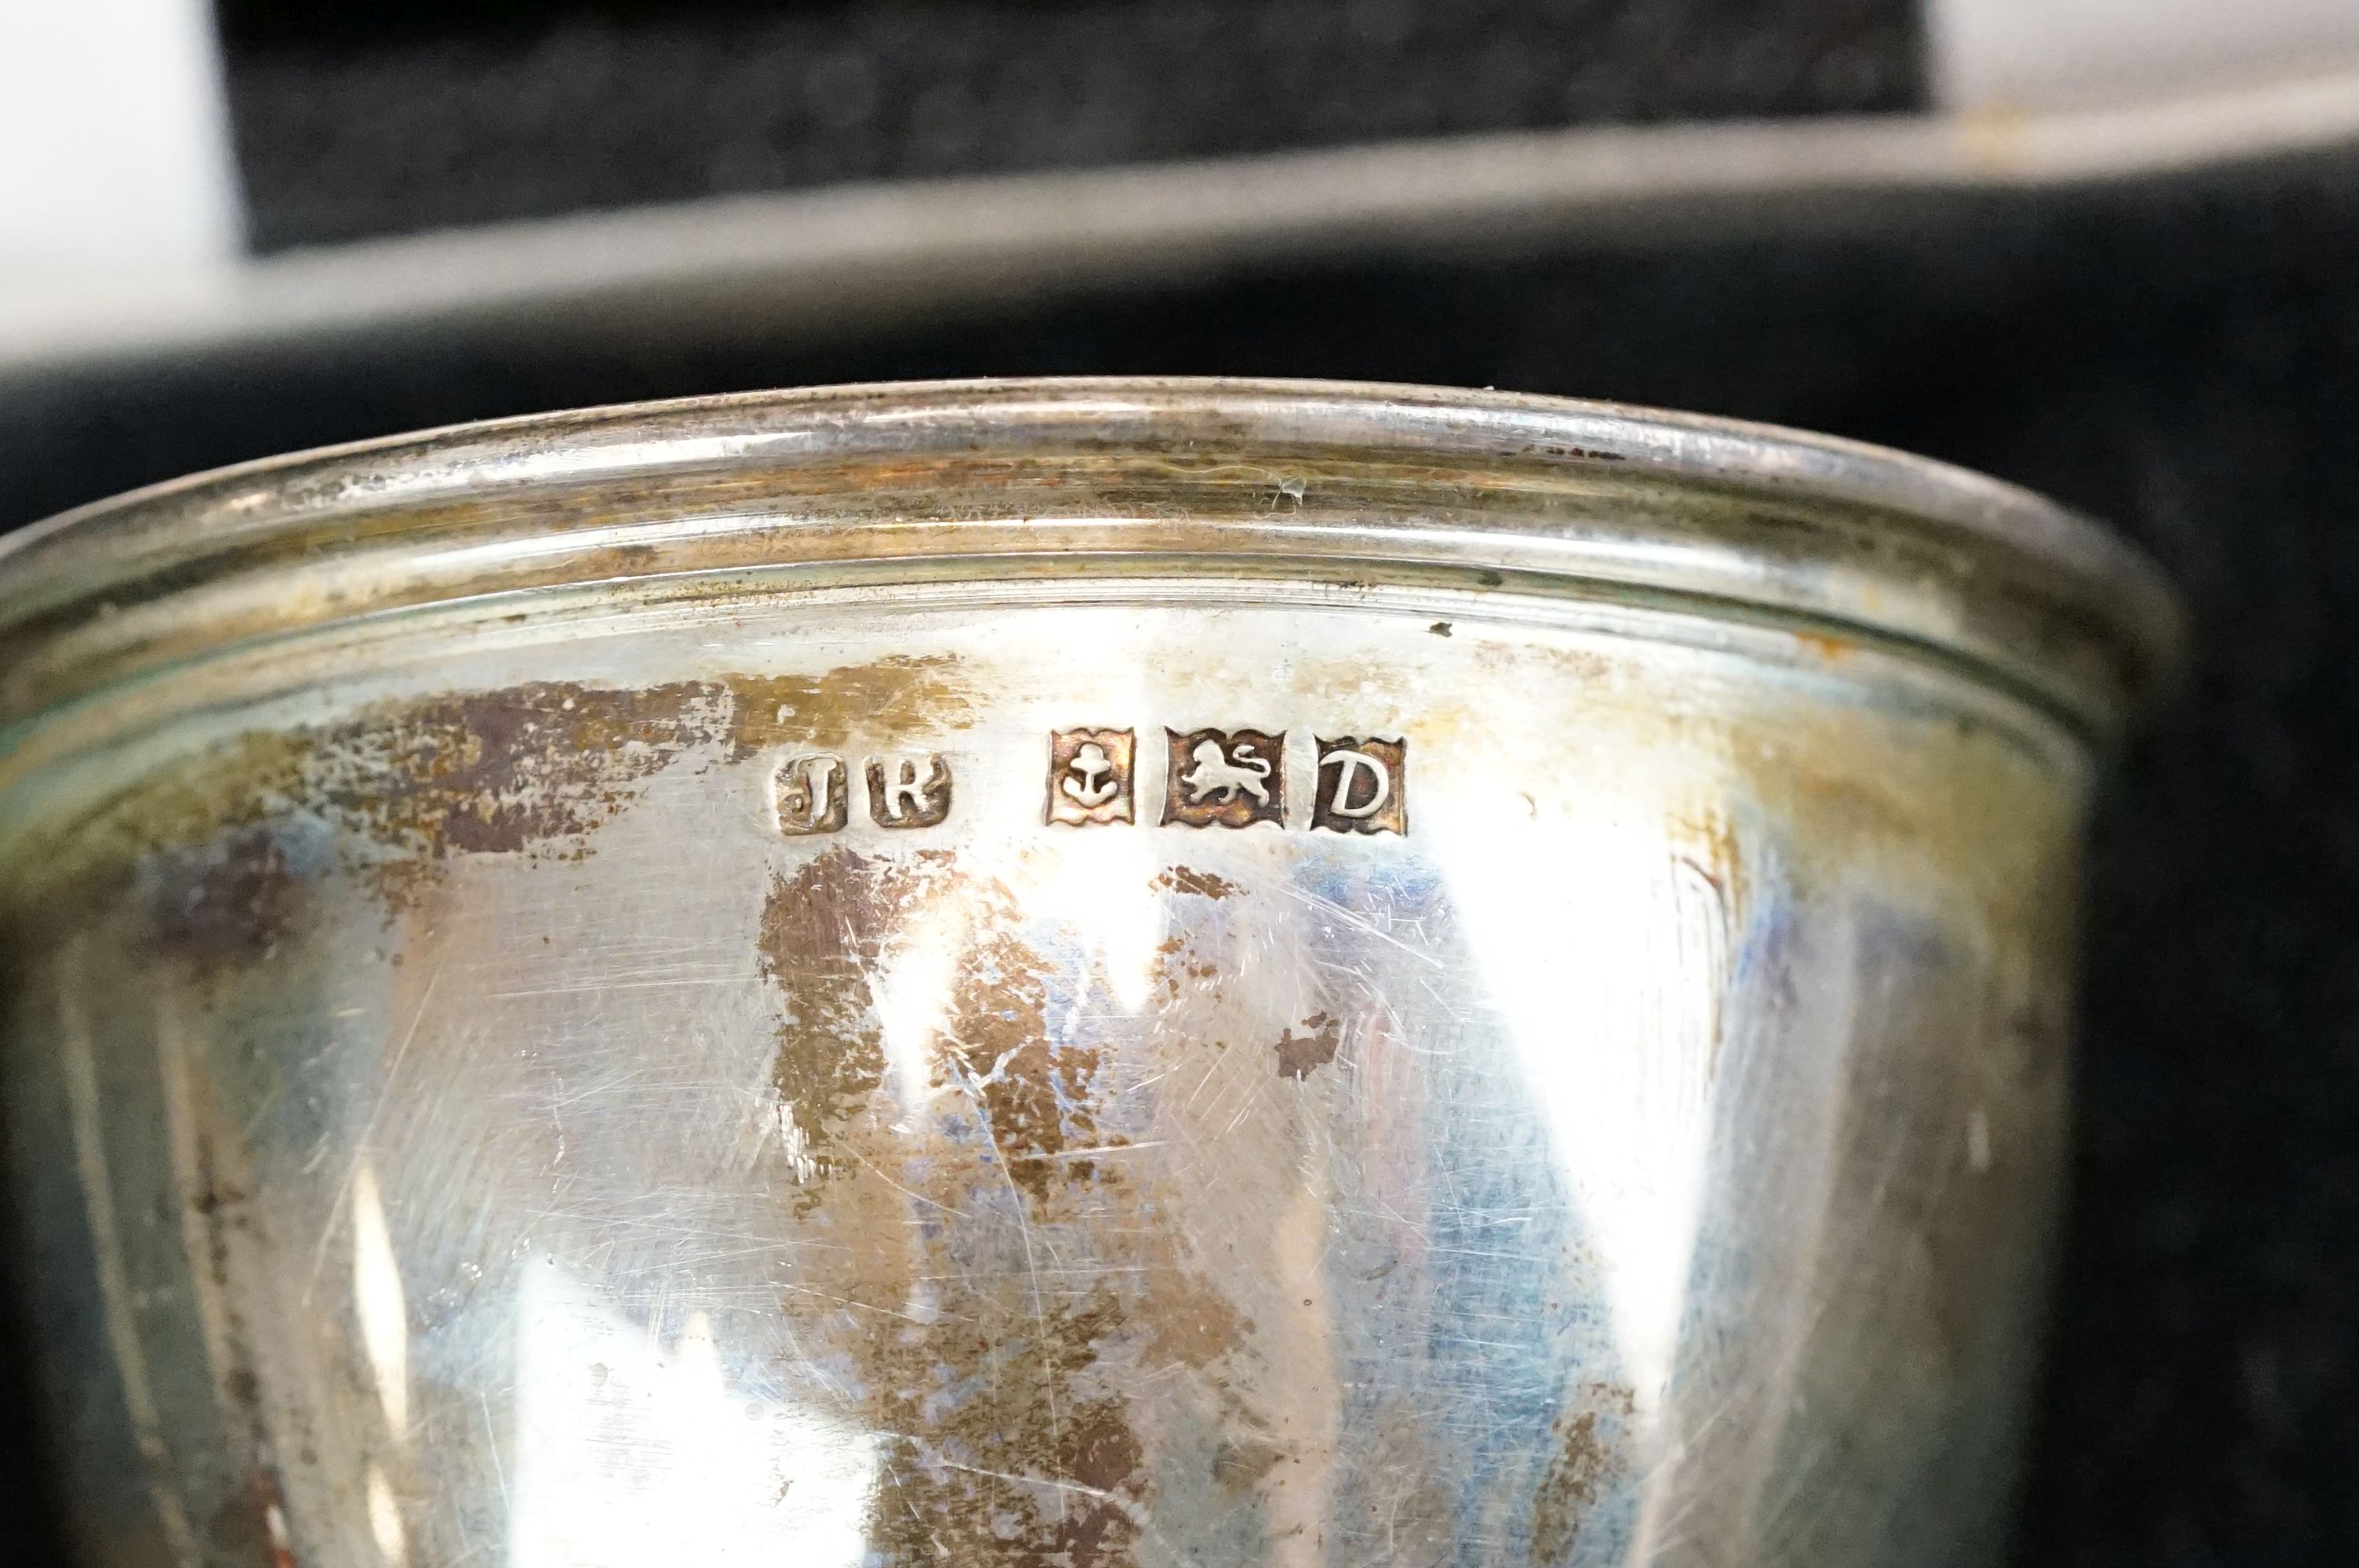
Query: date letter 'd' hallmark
(1362, 786)
(909, 791)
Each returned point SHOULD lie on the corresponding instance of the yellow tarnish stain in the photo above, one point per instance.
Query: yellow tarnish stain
(890, 698)
(533, 768)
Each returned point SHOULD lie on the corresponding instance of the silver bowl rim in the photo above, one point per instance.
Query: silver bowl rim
(92, 589)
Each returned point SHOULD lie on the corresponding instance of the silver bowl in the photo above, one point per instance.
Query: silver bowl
(1050, 975)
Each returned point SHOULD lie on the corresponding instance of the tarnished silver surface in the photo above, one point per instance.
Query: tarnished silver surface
(1087, 975)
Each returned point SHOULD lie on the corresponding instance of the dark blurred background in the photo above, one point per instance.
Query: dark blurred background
(2178, 353)
(412, 116)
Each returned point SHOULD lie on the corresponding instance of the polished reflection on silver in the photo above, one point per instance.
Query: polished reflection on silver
(1053, 975)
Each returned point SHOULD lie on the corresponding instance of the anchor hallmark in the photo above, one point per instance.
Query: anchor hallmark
(1362, 786)
(1090, 777)
(1232, 777)
(909, 791)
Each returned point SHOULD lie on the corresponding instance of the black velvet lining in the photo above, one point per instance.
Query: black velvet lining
(359, 122)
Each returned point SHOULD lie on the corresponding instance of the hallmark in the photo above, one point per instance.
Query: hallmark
(1232, 777)
(1361, 786)
(811, 794)
(1090, 777)
(909, 791)
(1223, 778)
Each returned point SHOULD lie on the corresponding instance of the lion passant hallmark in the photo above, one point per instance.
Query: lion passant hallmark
(1211, 778)
(1227, 778)
(838, 978)
(1230, 778)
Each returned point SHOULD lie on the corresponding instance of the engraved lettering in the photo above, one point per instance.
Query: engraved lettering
(909, 791)
(1354, 763)
(1234, 778)
(810, 793)
(1362, 786)
(1090, 776)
